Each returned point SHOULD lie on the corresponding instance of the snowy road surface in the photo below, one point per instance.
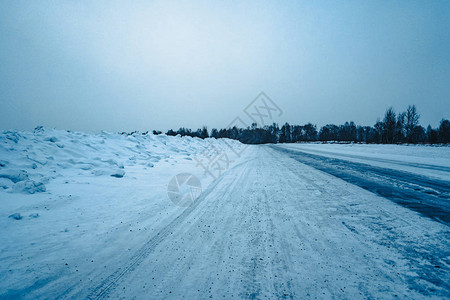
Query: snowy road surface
(429, 196)
(270, 227)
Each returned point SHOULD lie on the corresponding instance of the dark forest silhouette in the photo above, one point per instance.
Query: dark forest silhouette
(393, 129)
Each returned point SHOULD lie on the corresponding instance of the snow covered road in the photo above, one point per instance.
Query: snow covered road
(429, 196)
(269, 227)
(275, 228)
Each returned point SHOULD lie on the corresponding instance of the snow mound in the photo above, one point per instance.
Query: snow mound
(14, 175)
(31, 159)
(29, 187)
(20, 182)
(118, 174)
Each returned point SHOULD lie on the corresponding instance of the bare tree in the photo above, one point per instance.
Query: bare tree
(389, 126)
(412, 121)
(400, 128)
(444, 131)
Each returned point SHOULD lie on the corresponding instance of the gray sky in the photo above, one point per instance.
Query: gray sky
(116, 66)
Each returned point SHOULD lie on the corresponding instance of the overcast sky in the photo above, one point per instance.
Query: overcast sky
(123, 65)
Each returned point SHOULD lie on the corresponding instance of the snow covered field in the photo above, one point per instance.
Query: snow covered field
(87, 216)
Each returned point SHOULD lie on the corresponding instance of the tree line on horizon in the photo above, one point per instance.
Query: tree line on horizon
(395, 128)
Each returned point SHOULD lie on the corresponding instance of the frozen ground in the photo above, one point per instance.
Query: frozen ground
(271, 226)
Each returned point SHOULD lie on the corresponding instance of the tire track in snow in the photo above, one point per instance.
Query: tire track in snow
(430, 197)
(375, 159)
(107, 285)
(177, 270)
(264, 273)
(430, 263)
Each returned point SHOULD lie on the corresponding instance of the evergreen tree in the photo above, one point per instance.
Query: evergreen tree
(204, 133)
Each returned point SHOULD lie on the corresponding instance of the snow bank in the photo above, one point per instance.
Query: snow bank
(29, 160)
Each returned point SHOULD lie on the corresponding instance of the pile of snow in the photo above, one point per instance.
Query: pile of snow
(29, 160)
(19, 181)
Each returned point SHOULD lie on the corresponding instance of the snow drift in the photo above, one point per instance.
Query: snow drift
(29, 160)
